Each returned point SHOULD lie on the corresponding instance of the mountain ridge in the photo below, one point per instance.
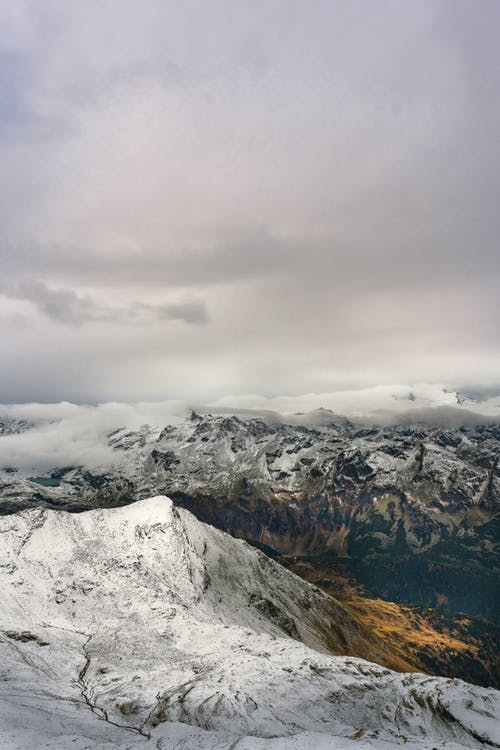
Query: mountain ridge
(137, 620)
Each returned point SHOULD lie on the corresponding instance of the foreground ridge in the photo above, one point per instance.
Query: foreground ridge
(120, 625)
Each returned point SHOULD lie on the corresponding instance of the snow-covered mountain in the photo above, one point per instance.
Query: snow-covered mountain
(14, 426)
(416, 491)
(452, 468)
(140, 626)
(412, 511)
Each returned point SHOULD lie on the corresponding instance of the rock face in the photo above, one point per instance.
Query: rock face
(14, 426)
(119, 625)
(412, 509)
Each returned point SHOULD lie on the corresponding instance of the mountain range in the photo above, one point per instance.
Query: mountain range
(373, 546)
(403, 513)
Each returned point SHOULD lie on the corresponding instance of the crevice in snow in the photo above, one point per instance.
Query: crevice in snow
(87, 696)
(85, 689)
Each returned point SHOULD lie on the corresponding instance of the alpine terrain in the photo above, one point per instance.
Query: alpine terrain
(406, 513)
(140, 626)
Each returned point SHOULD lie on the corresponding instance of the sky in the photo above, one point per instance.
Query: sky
(208, 199)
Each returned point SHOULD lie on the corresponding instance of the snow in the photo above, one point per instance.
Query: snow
(140, 622)
(210, 454)
(37, 437)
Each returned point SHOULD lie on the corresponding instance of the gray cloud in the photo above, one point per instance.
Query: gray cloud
(323, 179)
(65, 306)
(190, 312)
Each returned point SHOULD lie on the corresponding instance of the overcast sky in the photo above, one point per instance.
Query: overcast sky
(280, 197)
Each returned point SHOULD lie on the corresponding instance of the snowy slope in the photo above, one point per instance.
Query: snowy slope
(125, 624)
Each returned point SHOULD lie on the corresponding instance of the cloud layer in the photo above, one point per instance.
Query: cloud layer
(65, 434)
(268, 197)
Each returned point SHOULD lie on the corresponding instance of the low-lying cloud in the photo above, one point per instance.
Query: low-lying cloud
(66, 434)
(69, 435)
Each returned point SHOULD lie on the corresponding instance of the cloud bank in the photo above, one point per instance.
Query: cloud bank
(65, 434)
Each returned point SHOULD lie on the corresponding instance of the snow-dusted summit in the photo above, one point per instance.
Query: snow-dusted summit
(141, 627)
